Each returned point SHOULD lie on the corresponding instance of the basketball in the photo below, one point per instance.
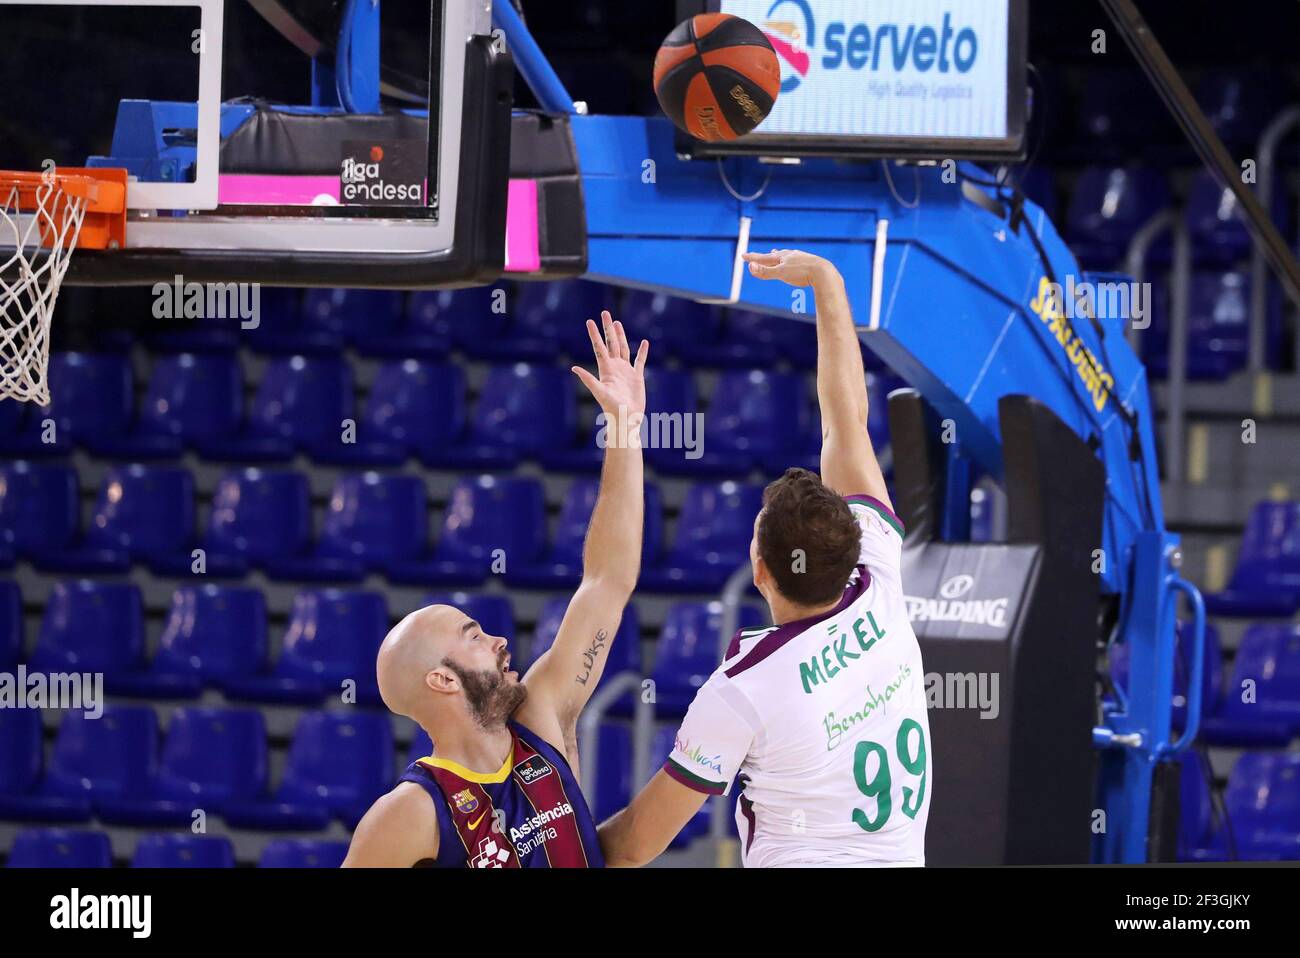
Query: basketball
(716, 76)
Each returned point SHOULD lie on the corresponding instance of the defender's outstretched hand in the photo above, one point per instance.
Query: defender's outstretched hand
(619, 385)
(792, 266)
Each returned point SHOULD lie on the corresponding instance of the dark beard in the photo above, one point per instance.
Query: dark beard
(490, 698)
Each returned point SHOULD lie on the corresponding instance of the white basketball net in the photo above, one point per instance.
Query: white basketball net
(29, 283)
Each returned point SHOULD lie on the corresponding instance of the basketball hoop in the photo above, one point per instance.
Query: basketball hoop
(43, 218)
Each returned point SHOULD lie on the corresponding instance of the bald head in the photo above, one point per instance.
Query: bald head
(414, 648)
(438, 663)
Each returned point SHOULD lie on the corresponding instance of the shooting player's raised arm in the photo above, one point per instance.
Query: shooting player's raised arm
(848, 461)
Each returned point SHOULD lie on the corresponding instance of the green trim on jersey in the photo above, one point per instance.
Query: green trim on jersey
(713, 788)
(879, 510)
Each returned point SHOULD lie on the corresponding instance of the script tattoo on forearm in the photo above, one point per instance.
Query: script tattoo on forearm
(589, 657)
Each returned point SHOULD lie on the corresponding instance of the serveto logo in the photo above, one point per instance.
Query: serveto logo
(941, 47)
(791, 35)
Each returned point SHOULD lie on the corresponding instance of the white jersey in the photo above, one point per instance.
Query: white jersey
(825, 721)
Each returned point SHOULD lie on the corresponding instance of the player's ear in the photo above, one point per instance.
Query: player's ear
(442, 679)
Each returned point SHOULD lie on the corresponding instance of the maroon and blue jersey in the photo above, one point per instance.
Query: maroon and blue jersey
(530, 813)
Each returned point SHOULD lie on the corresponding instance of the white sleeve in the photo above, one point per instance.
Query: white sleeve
(711, 743)
(882, 537)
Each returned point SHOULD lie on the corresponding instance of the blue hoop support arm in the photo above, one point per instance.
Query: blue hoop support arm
(1196, 679)
(530, 60)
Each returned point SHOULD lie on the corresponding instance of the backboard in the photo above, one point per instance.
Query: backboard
(311, 168)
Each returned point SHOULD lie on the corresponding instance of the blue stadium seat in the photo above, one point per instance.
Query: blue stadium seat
(415, 408)
(338, 764)
(1112, 121)
(301, 402)
(1218, 233)
(21, 752)
(561, 567)
(183, 850)
(688, 651)
(1266, 580)
(714, 529)
(613, 770)
(354, 315)
(1240, 103)
(210, 758)
(60, 848)
(40, 510)
(698, 826)
(790, 338)
(743, 340)
(145, 512)
(12, 644)
(192, 399)
(302, 853)
(807, 449)
(1109, 205)
(674, 326)
(546, 319)
(212, 634)
(459, 317)
(373, 521)
(1218, 334)
(494, 612)
(91, 396)
(523, 410)
(1262, 705)
(92, 627)
(484, 514)
(754, 414)
(259, 515)
(332, 638)
(93, 760)
(284, 327)
(1263, 803)
(422, 333)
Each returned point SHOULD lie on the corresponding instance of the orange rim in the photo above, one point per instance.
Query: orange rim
(102, 190)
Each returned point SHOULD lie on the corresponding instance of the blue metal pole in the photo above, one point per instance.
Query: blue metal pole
(530, 60)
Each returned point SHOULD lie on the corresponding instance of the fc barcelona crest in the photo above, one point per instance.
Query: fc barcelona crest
(466, 803)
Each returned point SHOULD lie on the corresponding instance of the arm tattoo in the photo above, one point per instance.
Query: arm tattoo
(589, 657)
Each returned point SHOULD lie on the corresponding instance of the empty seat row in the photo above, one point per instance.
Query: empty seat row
(1111, 203)
(70, 848)
(1262, 805)
(67, 848)
(373, 523)
(415, 409)
(1266, 578)
(1259, 704)
(216, 637)
(121, 769)
(503, 322)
